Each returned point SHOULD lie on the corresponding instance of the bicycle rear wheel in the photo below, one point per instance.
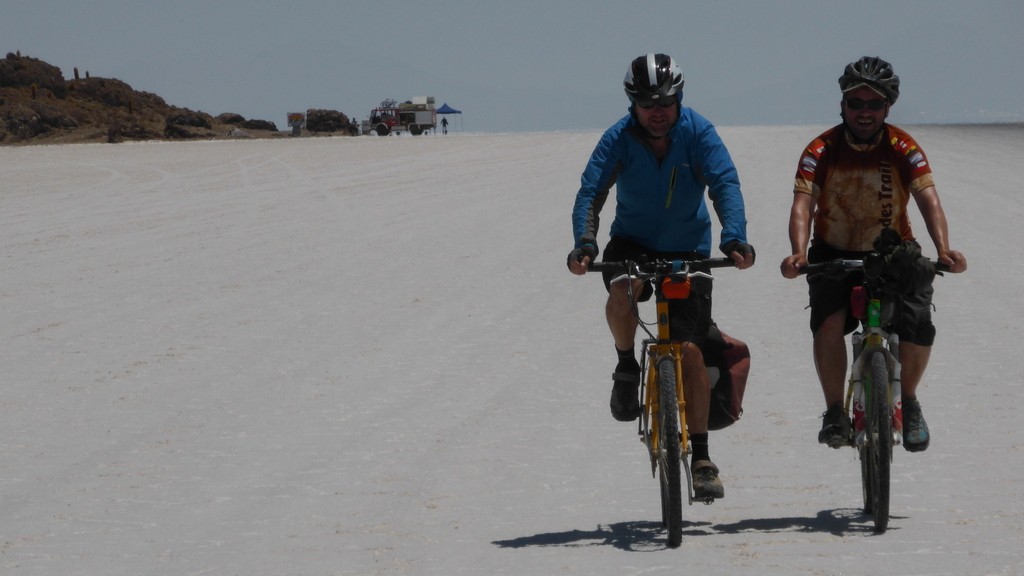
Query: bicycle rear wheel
(670, 452)
(876, 452)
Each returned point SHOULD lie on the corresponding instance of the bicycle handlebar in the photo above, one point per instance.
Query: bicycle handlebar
(660, 266)
(837, 265)
(849, 264)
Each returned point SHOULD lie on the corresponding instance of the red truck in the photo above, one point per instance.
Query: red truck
(415, 116)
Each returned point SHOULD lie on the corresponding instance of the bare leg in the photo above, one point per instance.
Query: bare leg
(913, 361)
(619, 312)
(830, 357)
(622, 323)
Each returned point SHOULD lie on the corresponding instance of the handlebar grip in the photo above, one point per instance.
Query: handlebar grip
(833, 266)
(715, 263)
(607, 267)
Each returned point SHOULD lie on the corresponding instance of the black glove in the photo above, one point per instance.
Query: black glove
(742, 247)
(579, 253)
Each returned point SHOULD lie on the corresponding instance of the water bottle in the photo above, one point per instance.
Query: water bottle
(874, 313)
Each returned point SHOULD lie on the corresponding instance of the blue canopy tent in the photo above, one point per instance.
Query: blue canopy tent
(446, 109)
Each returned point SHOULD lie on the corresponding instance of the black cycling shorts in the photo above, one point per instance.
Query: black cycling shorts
(691, 318)
(831, 295)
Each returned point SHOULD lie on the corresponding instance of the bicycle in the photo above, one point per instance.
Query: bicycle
(873, 395)
(662, 425)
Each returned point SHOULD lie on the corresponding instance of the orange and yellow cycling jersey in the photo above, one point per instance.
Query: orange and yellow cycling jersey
(861, 189)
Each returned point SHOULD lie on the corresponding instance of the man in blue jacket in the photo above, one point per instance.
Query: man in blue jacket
(661, 158)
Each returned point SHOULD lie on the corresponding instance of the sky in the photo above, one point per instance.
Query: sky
(534, 65)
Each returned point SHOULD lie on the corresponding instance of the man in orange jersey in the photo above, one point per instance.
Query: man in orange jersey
(854, 181)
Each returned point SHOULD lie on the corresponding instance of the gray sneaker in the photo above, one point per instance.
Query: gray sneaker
(915, 429)
(706, 483)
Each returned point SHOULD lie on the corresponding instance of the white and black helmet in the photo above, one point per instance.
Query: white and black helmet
(653, 77)
(874, 73)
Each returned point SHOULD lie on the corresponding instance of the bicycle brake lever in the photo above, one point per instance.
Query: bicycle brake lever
(700, 274)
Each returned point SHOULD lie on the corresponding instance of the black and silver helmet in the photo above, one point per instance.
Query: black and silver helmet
(653, 77)
(874, 73)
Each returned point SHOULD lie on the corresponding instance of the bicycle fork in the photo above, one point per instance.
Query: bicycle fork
(652, 399)
(856, 394)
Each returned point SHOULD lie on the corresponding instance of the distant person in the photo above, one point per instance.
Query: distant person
(853, 181)
(444, 125)
(661, 157)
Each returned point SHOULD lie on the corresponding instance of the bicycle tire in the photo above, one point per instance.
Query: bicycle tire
(866, 471)
(876, 454)
(670, 452)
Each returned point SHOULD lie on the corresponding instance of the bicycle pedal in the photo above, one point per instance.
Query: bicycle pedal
(838, 443)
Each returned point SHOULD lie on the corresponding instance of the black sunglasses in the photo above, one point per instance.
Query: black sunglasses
(648, 104)
(860, 104)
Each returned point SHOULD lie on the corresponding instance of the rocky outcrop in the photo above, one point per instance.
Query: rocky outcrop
(37, 104)
(328, 121)
(259, 125)
(17, 71)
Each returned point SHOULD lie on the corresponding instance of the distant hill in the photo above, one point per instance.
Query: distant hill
(38, 105)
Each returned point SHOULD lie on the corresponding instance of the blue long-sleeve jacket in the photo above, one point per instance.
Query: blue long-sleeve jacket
(660, 205)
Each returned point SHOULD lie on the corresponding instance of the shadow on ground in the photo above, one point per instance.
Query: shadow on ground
(650, 536)
(632, 536)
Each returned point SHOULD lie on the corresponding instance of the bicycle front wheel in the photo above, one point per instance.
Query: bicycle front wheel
(670, 452)
(876, 453)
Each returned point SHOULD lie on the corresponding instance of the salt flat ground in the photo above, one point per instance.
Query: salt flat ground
(358, 356)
